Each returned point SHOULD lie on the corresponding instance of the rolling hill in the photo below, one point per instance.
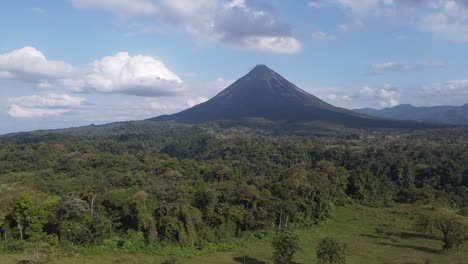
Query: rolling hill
(436, 114)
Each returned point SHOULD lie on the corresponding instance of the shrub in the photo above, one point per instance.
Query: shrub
(330, 251)
(285, 244)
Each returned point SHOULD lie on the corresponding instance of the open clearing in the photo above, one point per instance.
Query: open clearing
(373, 235)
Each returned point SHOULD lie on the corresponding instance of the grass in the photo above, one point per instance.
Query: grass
(373, 235)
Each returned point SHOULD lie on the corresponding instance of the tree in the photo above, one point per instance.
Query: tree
(21, 212)
(285, 245)
(29, 218)
(330, 251)
(454, 232)
(143, 208)
(425, 225)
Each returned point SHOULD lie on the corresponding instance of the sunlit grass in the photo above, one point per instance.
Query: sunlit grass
(373, 235)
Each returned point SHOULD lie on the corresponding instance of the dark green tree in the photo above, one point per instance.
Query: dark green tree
(330, 251)
(425, 224)
(285, 245)
(454, 233)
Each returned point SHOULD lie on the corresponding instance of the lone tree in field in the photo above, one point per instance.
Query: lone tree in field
(285, 244)
(330, 251)
(425, 225)
(454, 233)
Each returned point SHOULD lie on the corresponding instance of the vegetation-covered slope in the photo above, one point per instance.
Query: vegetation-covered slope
(435, 114)
(142, 187)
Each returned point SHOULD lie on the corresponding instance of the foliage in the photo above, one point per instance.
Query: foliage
(285, 245)
(454, 233)
(425, 224)
(330, 251)
(141, 185)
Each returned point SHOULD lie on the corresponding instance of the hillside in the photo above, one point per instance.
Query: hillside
(456, 115)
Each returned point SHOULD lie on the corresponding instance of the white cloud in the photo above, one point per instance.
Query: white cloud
(196, 100)
(335, 95)
(320, 35)
(6, 75)
(344, 27)
(120, 7)
(42, 105)
(237, 23)
(136, 75)
(367, 90)
(385, 95)
(448, 88)
(27, 112)
(210, 88)
(30, 64)
(389, 67)
(446, 23)
(445, 19)
(392, 66)
(273, 44)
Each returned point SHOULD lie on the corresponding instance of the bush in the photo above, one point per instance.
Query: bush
(464, 211)
(285, 244)
(425, 225)
(330, 251)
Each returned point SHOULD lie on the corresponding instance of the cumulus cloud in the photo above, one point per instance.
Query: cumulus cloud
(242, 24)
(445, 19)
(135, 75)
(43, 105)
(138, 75)
(109, 78)
(30, 64)
(386, 95)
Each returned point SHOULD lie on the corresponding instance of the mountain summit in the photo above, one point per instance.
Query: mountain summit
(263, 93)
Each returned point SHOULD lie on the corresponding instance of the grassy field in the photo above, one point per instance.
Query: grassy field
(373, 235)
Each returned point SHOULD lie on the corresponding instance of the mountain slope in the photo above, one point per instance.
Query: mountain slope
(265, 94)
(436, 114)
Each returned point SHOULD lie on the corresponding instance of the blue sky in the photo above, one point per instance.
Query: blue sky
(76, 62)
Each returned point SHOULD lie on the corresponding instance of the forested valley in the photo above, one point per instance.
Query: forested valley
(150, 186)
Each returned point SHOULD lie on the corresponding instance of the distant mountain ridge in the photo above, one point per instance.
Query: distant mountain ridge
(454, 115)
(265, 94)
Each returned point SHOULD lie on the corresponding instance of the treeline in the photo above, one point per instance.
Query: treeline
(190, 185)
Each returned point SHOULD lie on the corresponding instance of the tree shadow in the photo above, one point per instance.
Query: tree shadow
(248, 260)
(420, 248)
(407, 235)
(403, 235)
(371, 236)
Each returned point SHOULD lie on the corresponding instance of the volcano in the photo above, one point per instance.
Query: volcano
(265, 94)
